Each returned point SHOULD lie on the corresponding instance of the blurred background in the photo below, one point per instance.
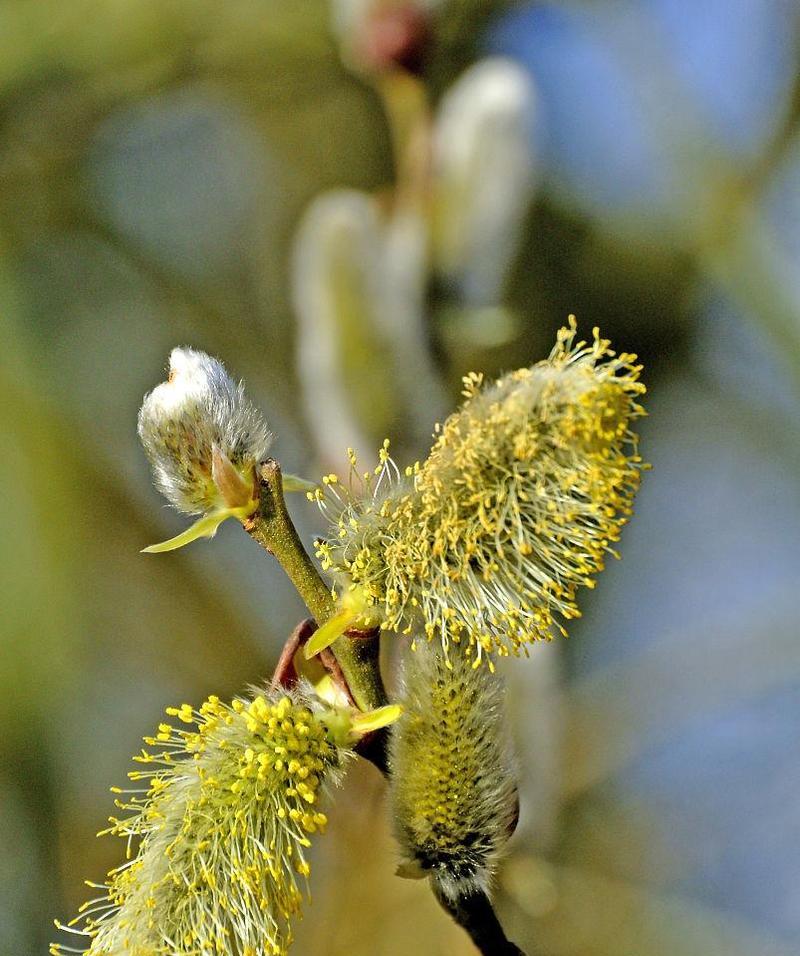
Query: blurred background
(353, 204)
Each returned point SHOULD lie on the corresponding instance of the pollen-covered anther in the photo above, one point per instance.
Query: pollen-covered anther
(204, 440)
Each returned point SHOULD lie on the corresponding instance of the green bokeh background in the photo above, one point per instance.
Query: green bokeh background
(155, 158)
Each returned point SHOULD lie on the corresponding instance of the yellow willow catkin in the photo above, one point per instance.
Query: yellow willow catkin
(216, 836)
(523, 495)
(453, 793)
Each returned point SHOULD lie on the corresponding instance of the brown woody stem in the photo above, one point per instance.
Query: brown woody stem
(373, 746)
(475, 914)
(274, 530)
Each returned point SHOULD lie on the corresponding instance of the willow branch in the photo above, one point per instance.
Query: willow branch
(374, 746)
(274, 530)
(475, 914)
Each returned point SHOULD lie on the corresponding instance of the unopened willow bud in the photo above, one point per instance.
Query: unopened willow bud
(358, 281)
(524, 493)
(222, 821)
(203, 439)
(379, 35)
(483, 177)
(453, 793)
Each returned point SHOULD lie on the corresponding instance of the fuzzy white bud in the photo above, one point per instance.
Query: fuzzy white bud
(483, 176)
(358, 282)
(202, 436)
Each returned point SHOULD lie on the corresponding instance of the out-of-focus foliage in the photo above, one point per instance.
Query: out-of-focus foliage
(156, 160)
